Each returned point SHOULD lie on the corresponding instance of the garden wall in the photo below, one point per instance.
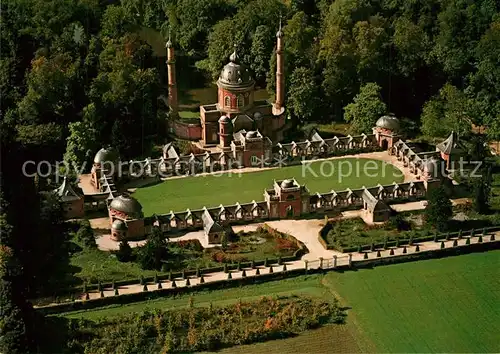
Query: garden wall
(250, 280)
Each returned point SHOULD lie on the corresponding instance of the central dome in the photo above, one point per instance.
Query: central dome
(128, 205)
(234, 74)
(108, 154)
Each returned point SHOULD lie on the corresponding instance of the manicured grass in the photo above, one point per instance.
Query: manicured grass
(190, 116)
(444, 305)
(212, 190)
(96, 265)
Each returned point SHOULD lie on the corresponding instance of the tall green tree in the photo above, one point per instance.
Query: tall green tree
(439, 209)
(303, 95)
(366, 108)
(450, 110)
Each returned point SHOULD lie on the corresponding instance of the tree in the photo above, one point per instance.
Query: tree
(439, 209)
(86, 236)
(366, 108)
(262, 48)
(124, 253)
(449, 110)
(303, 94)
(81, 143)
(151, 254)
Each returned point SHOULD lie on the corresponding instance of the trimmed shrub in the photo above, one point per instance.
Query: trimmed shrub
(145, 287)
(229, 276)
(102, 293)
(365, 256)
(124, 253)
(492, 237)
(378, 254)
(174, 285)
(404, 250)
(188, 283)
(116, 292)
(202, 279)
(87, 296)
(417, 248)
(391, 252)
(442, 244)
(455, 243)
(243, 273)
(271, 269)
(159, 285)
(257, 271)
(467, 241)
(284, 267)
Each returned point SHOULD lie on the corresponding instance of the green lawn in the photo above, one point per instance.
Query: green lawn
(444, 305)
(213, 190)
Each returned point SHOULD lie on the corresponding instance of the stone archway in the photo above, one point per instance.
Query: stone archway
(384, 144)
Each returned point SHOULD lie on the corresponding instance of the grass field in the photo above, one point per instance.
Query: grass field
(213, 190)
(444, 305)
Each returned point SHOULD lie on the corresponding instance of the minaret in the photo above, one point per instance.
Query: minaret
(280, 80)
(172, 86)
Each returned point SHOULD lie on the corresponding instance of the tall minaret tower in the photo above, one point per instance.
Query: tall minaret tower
(172, 86)
(278, 106)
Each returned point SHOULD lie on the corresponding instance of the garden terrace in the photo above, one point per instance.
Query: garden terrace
(230, 188)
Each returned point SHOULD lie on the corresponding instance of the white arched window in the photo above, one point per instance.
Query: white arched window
(241, 101)
(227, 101)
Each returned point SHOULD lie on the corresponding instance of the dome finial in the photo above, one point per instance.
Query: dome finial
(279, 34)
(169, 42)
(234, 57)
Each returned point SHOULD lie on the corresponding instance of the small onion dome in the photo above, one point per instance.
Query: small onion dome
(168, 44)
(279, 34)
(251, 134)
(106, 154)
(389, 122)
(119, 225)
(287, 183)
(128, 205)
(257, 116)
(224, 120)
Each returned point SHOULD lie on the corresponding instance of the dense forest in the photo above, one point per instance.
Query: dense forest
(77, 75)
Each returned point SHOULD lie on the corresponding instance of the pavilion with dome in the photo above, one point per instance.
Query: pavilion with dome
(237, 124)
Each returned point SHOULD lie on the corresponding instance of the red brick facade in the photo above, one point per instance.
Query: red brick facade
(188, 131)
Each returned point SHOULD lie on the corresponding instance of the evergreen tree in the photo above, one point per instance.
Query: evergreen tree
(439, 209)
